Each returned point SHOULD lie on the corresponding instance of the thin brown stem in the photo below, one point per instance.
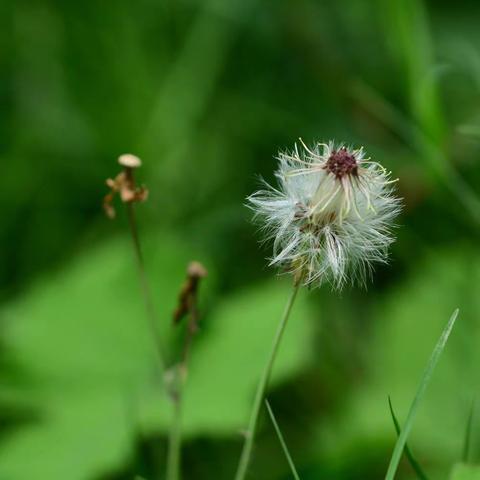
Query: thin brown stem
(192, 329)
(174, 458)
(145, 286)
(188, 304)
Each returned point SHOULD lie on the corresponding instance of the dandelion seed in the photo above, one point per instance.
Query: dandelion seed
(331, 216)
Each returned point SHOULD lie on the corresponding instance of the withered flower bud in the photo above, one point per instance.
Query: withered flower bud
(124, 184)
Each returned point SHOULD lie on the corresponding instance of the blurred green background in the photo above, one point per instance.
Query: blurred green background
(206, 92)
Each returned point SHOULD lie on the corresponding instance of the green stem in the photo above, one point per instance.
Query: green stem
(282, 442)
(175, 437)
(174, 457)
(262, 387)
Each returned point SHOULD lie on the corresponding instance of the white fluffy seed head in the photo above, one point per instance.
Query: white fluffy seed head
(331, 216)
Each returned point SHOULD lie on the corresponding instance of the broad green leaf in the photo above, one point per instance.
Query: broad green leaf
(75, 437)
(81, 341)
(465, 472)
(83, 350)
(88, 323)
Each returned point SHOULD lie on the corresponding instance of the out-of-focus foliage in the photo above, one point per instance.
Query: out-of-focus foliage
(206, 92)
(395, 364)
(82, 345)
(465, 472)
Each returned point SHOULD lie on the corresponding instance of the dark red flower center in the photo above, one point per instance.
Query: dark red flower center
(341, 162)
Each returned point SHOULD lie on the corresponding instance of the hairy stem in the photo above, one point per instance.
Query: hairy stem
(262, 387)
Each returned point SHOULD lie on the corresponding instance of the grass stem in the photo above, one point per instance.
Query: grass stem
(282, 441)
(175, 438)
(262, 387)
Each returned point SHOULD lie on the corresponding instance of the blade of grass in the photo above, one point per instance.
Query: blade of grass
(415, 465)
(282, 441)
(427, 375)
(407, 23)
(262, 386)
(468, 433)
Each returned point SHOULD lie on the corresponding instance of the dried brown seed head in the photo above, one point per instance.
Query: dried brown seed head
(196, 270)
(130, 161)
(189, 290)
(124, 185)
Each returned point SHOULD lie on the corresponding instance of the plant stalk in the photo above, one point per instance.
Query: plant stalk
(145, 286)
(282, 441)
(175, 437)
(262, 387)
(174, 455)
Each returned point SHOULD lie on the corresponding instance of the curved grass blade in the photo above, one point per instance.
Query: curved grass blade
(468, 433)
(415, 465)
(282, 441)
(427, 375)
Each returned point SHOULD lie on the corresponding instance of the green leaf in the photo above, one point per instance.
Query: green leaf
(76, 437)
(427, 375)
(80, 340)
(88, 324)
(468, 434)
(81, 344)
(413, 462)
(408, 28)
(465, 472)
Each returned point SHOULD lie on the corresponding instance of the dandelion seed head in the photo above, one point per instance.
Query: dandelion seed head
(330, 217)
(341, 162)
